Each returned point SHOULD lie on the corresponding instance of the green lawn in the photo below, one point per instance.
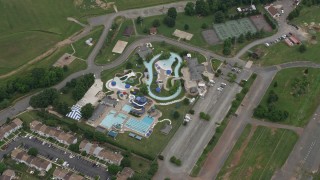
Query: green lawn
(82, 49)
(194, 23)
(260, 155)
(300, 108)
(133, 4)
(308, 15)
(281, 53)
(105, 55)
(15, 49)
(215, 64)
(153, 145)
(25, 33)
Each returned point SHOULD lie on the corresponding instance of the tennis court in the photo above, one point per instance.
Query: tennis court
(234, 28)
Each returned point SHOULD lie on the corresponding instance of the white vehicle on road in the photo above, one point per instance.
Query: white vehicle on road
(220, 89)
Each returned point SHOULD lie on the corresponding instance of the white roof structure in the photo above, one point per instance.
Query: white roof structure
(182, 34)
(119, 47)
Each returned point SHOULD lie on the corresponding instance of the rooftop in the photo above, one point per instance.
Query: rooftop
(195, 69)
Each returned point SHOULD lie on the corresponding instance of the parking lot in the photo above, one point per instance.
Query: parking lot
(51, 152)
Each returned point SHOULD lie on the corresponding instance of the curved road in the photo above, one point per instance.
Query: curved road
(107, 20)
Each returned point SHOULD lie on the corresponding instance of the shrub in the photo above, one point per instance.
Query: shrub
(204, 116)
(191, 111)
(160, 157)
(204, 26)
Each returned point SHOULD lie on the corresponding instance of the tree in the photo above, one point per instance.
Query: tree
(87, 111)
(176, 115)
(165, 55)
(241, 38)
(249, 35)
(202, 8)
(129, 65)
(172, 12)
(186, 27)
(219, 17)
(156, 23)
(302, 48)
(33, 152)
(275, 84)
(125, 162)
(204, 26)
(3, 167)
(191, 111)
(189, 9)
(186, 101)
(139, 20)
(144, 89)
(169, 21)
(74, 147)
(114, 169)
(44, 99)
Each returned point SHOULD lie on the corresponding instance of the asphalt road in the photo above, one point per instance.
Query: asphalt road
(266, 73)
(80, 165)
(305, 155)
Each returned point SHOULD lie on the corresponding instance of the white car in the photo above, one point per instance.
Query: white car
(220, 89)
(282, 11)
(267, 44)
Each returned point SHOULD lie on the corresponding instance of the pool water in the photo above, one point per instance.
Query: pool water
(112, 119)
(126, 108)
(148, 65)
(141, 126)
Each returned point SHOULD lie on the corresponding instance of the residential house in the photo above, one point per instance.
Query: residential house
(101, 153)
(128, 31)
(272, 11)
(8, 129)
(8, 175)
(34, 162)
(125, 174)
(63, 174)
(57, 134)
(153, 31)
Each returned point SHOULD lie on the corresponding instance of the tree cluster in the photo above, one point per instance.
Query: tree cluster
(270, 21)
(175, 161)
(44, 98)
(295, 13)
(204, 116)
(79, 86)
(300, 86)
(37, 78)
(270, 111)
(170, 19)
(87, 111)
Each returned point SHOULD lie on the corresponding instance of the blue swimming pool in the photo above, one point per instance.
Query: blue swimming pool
(149, 65)
(113, 119)
(127, 108)
(141, 126)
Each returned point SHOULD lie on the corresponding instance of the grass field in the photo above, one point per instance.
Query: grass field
(25, 33)
(215, 64)
(105, 55)
(281, 53)
(308, 15)
(194, 23)
(82, 49)
(258, 153)
(300, 108)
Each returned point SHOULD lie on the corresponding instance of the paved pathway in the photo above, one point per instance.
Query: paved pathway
(298, 130)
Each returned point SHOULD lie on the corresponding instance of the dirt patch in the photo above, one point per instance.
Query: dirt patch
(273, 130)
(77, 2)
(64, 60)
(260, 23)
(104, 5)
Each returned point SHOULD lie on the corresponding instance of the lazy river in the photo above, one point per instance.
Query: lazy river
(169, 61)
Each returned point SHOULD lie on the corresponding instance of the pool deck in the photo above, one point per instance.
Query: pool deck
(119, 109)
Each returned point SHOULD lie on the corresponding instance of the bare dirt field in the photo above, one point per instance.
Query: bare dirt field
(64, 60)
(260, 23)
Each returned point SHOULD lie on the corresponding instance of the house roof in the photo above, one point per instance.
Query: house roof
(66, 175)
(125, 174)
(36, 161)
(9, 173)
(272, 10)
(51, 131)
(153, 30)
(195, 69)
(8, 127)
(128, 31)
(106, 154)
